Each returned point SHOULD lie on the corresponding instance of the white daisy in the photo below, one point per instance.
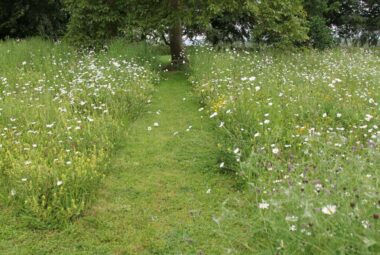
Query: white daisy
(329, 209)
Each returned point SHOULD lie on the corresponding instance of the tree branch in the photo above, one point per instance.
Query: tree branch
(164, 39)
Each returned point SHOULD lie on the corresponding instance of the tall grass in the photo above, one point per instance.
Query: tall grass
(144, 53)
(302, 131)
(61, 114)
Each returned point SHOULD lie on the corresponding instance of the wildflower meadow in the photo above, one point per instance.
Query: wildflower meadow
(182, 127)
(61, 114)
(301, 130)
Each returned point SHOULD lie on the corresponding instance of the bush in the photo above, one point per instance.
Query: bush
(93, 23)
(320, 34)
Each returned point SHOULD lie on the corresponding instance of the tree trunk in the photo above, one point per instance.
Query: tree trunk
(176, 48)
(175, 37)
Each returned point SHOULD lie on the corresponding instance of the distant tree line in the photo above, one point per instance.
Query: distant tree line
(357, 21)
(272, 22)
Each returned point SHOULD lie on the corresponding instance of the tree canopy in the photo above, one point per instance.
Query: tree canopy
(270, 22)
(91, 23)
(22, 18)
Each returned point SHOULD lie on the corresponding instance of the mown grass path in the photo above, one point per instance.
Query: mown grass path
(161, 196)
